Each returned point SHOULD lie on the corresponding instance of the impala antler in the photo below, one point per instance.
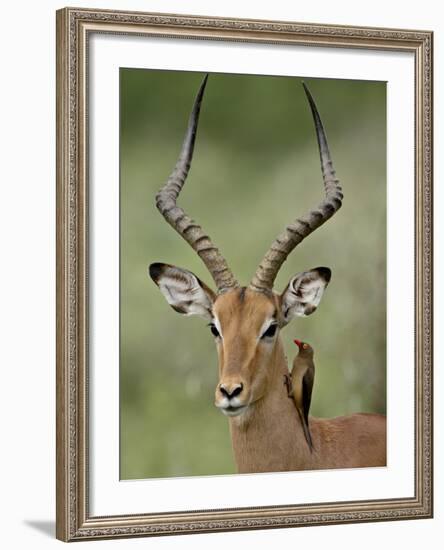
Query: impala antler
(192, 232)
(296, 231)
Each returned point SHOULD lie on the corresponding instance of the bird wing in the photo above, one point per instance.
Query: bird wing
(307, 388)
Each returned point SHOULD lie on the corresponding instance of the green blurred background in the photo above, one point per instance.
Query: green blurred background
(256, 166)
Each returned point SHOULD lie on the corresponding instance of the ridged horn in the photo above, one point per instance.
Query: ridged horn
(166, 200)
(301, 227)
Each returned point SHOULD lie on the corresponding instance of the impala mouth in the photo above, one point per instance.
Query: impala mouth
(231, 410)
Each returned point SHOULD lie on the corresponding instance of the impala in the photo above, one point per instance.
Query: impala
(266, 431)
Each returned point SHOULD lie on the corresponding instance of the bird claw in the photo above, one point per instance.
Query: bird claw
(288, 385)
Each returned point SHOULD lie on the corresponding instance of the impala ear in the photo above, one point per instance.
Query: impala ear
(184, 292)
(304, 292)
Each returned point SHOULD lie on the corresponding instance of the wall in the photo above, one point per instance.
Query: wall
(27, 274)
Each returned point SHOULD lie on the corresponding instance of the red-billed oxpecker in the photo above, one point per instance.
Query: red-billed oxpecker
(300, 385)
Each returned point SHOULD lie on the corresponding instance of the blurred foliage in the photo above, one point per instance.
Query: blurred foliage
(256, 166)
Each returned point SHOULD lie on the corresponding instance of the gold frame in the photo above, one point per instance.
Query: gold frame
(73, 28)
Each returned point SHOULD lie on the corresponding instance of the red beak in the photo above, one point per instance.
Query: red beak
(298, 343)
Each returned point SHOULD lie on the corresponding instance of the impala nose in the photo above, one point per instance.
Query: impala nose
(230, 390)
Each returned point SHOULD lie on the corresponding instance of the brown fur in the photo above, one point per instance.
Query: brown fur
(268, 436)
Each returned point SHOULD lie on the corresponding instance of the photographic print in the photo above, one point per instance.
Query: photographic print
(272, 354)
(244, 260)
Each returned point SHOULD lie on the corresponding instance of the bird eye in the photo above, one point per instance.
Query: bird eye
(214, 330)
(270, 332)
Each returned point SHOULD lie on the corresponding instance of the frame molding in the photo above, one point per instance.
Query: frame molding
(73, 521)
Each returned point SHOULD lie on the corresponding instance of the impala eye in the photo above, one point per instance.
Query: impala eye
(214, 330)
(270, 332)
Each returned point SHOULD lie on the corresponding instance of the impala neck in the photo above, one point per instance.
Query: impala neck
(269, 436)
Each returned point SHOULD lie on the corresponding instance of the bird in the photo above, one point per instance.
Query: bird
(300, 385)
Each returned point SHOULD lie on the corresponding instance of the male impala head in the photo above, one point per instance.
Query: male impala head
(245, 321)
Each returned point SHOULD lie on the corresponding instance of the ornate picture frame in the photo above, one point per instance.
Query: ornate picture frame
(75, 27)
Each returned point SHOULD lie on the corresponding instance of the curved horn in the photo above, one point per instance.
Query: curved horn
(192, 232)
(300, 228)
